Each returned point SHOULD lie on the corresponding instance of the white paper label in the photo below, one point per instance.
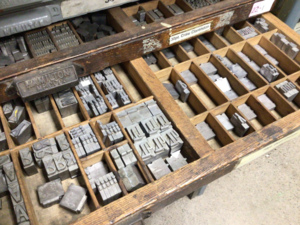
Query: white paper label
(261, 7)
(190, 33)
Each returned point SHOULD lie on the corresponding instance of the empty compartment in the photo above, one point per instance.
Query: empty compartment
(44, 116)
(215, 135)
(18, 118)
(175, 54)
(204, 88)
(98, 169)
(71, 110)
(246, 30)
(274, 102)
(212, 41)
(275, 56)
(222, 78)
(224, 116)
(95, 26)
(257, 60)
(194, 48)
(251, 109)
(252, 80)
(229, 35)
(181, 92)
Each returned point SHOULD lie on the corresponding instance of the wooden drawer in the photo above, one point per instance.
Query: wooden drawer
(207, 160)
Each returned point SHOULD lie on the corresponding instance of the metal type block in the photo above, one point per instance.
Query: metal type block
(21, 213)
(189, 77)
(292, 52)
(50, 167)
(71, 163)
(238, 71)
(153, 107)
(254, 66)
(123, 98)
(223, 84)
(288, 90)
(61, 166)
(8, 109)
(27, 162)
(225, 61)
(62, 142)
(124, 118)
(205, 130)
(42, 104)
(74, 199)
(248, 83)
(94, 172)
(272, 60)
(156, 15)
(240, 124)
(15, 193)
(283, 43)
(171, 89)
(127, 155)
(159, 168)
(117, 159)
(3, 185)
(22, 132)
(208, 68)
(176, 161)
(269, 72)
(112, 101)
(187, 46)
(134, 114)
(90, 143)
(131, 178)
(173, 140)
(231, 94)
(99, 18)
(145, 150)
(66, 103)
(146, 110)
(247, 111)
(150, 126)
(215, 77)
(224, 120)
(267, 102)
(244, 57)
(17, 116)
(159, 145)
(168, 53)
(150, 59)
(50, 193)
(111, 133)
(77, 21)
(183, 90)
(10, 173)
(175, 9)
(208, 44)
(3, 160)
(43, 148)
(247, 32)
(3, 142)
(135, 132)
(261, 49)
(164, 123)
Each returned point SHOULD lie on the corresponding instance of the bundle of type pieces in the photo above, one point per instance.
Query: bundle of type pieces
(261, 25)
(103, 182)
(9, 184)
(268, 71)
(41, 42)
(93, 26)
(153, 137)
(12, 50)
(114, 91)
(64, 36)
(288, 47)
(84, 140)
(21, 129)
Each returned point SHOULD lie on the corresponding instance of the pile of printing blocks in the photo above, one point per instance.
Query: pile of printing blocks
(92, 27)
(9, 185)
(66, 102)
(114, 91)
(261, 25)
(103, 182)
(180, 90)
(64, 36)
(221, 82)
(111, 133)
(13, 50)
(153, 136)
(3, 141)
(21, 129)
(269, 72)
(265, 53)
(236, 122)
(84, 140)
(288, 90)
(289, 47)
(209, 45)
(93, 102)
(247, 32)
(41, 43)
(236, 69)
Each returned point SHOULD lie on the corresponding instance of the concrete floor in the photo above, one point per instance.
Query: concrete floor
(265, 191)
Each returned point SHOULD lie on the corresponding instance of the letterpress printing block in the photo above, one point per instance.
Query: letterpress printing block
(173, 140)
(15, 193)
(131, 178)
(187, 46)
(205, 130)
(145, 150)
(22, 132)
(153, 107)
(43, 148)
(171, 89)
(3, 185)
(135, 132)
(144, 111)
(189, 77)
(238, 71)
(3, 160)
(240, 124)
(10, 174)
(27, 161)
(3, 142)
(248, 83)
(159, 168)
(21, 214)
(50, 193)
(183, 90)
(124, 118)
(17, 116)
(176, 161)
(8, 109)
(247, 111)
(71, 163)
(208, 68)
(164, 123)
(50, 167)
(175, 9)
(62, 142)
(74, 199)
(168, 53)
(42, 104)
(150, 126)
(117, 159)
(61, 165)
(134, 115)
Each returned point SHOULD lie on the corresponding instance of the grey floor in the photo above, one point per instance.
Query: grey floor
(265, 191)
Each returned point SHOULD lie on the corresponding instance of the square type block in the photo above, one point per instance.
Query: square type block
(50, 193)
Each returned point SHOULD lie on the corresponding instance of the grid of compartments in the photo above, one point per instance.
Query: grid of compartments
(205, 103)
(51, 124)
(182, 70)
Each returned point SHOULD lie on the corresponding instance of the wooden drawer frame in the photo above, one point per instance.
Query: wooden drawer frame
(207, 164)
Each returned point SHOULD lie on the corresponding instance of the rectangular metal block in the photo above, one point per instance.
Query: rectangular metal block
(240, 124)
(62, 142)
(173, 140)
(50, 193)
(189, 77)
(131, 178)
(50, 167)
(3, 185)
(159, 168)
(22, 132)
(171, 89)
(208, 68)
(27, 162)
(205, 131)
(183, 90)
(176, 161)
(10, 173)
(3, 160)
(3, 142)
(71, 163)
(61, 166)
(17, 116)
(224, 120)
(247, 111)
(66, 103)
(267, 102)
